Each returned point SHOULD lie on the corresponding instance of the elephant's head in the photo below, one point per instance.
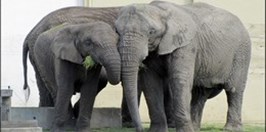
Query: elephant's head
(74, 42)
(158, 26)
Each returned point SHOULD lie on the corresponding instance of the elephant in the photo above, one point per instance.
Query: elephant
(59, 56)
(70, 15)
(73, 15)
(203, 48)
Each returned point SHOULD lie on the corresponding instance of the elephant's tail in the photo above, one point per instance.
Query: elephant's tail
(26, 87)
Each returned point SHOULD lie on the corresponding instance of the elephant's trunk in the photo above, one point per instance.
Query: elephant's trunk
(130, 65)
(112, 64)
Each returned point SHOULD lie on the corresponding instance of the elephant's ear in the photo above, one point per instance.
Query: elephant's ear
(63, 46)
(180, 28)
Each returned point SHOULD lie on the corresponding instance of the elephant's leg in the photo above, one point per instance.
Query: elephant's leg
(168, 106)
(102, 84)
(76, 109)
(152, 86)
(199, 97)
(234, 100)
(63, 108)
(235, 88)
(126, 118)
(88, 93)
(181, 71)
(46, 99)
(65, 78)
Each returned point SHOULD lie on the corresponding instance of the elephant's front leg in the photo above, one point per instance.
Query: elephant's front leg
(199, 97)
(181, 65)
(65, 82)
(152, 85)
(88, 93)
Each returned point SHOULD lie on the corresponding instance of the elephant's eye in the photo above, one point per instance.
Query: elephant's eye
(88, 42)
(152, 31)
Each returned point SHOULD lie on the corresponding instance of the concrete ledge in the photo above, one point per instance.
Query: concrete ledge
(26, 129)
(20, 126)
(6, 92)
(101, 117)
(16, 124)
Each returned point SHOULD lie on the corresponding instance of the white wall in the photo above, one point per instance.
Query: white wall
(18, 18)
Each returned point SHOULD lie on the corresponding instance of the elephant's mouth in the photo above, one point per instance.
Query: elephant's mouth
(88, 62)
(153, 44)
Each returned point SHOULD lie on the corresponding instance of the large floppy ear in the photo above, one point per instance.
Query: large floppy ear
(63, 46)
(180, 28)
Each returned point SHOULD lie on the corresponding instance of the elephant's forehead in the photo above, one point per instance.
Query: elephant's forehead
(145, 10)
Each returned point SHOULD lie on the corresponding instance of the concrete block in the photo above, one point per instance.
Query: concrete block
(26, 129)
(6, 97)
(6, 92)
(101, 117)
(5, 116)
(21, 123)
(106, 117)
(20, 126)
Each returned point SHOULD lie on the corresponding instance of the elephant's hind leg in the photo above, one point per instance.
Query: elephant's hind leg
(199, 97)
(46, 99)
(236, 86)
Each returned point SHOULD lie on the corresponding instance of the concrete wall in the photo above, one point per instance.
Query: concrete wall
(19, 17)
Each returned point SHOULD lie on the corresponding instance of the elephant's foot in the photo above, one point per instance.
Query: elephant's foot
(196, 126)
(86, 129)
(128, 125)
(57, 129)
(158, 128)
(185, 128)
(233, 127)
(83, 124)
(171, 124)
(139, 129)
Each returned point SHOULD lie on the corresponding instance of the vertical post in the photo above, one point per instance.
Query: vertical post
(5, 103)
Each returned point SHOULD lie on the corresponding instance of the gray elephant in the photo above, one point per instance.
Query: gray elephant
(201, 47)
(73, 15)
(59, 56)
(70, 15)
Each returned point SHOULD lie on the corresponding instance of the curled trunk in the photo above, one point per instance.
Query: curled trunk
(112, 63)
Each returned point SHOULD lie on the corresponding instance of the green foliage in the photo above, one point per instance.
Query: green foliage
(56, 28)
(88, 63)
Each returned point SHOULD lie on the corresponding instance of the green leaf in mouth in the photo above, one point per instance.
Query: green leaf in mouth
(88, 63)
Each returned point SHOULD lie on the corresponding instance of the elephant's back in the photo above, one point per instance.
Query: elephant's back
(218, 20)
(82, 15)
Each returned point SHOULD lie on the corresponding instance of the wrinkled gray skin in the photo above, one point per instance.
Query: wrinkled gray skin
(59, 56)
(53, 19)
(201, 46)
